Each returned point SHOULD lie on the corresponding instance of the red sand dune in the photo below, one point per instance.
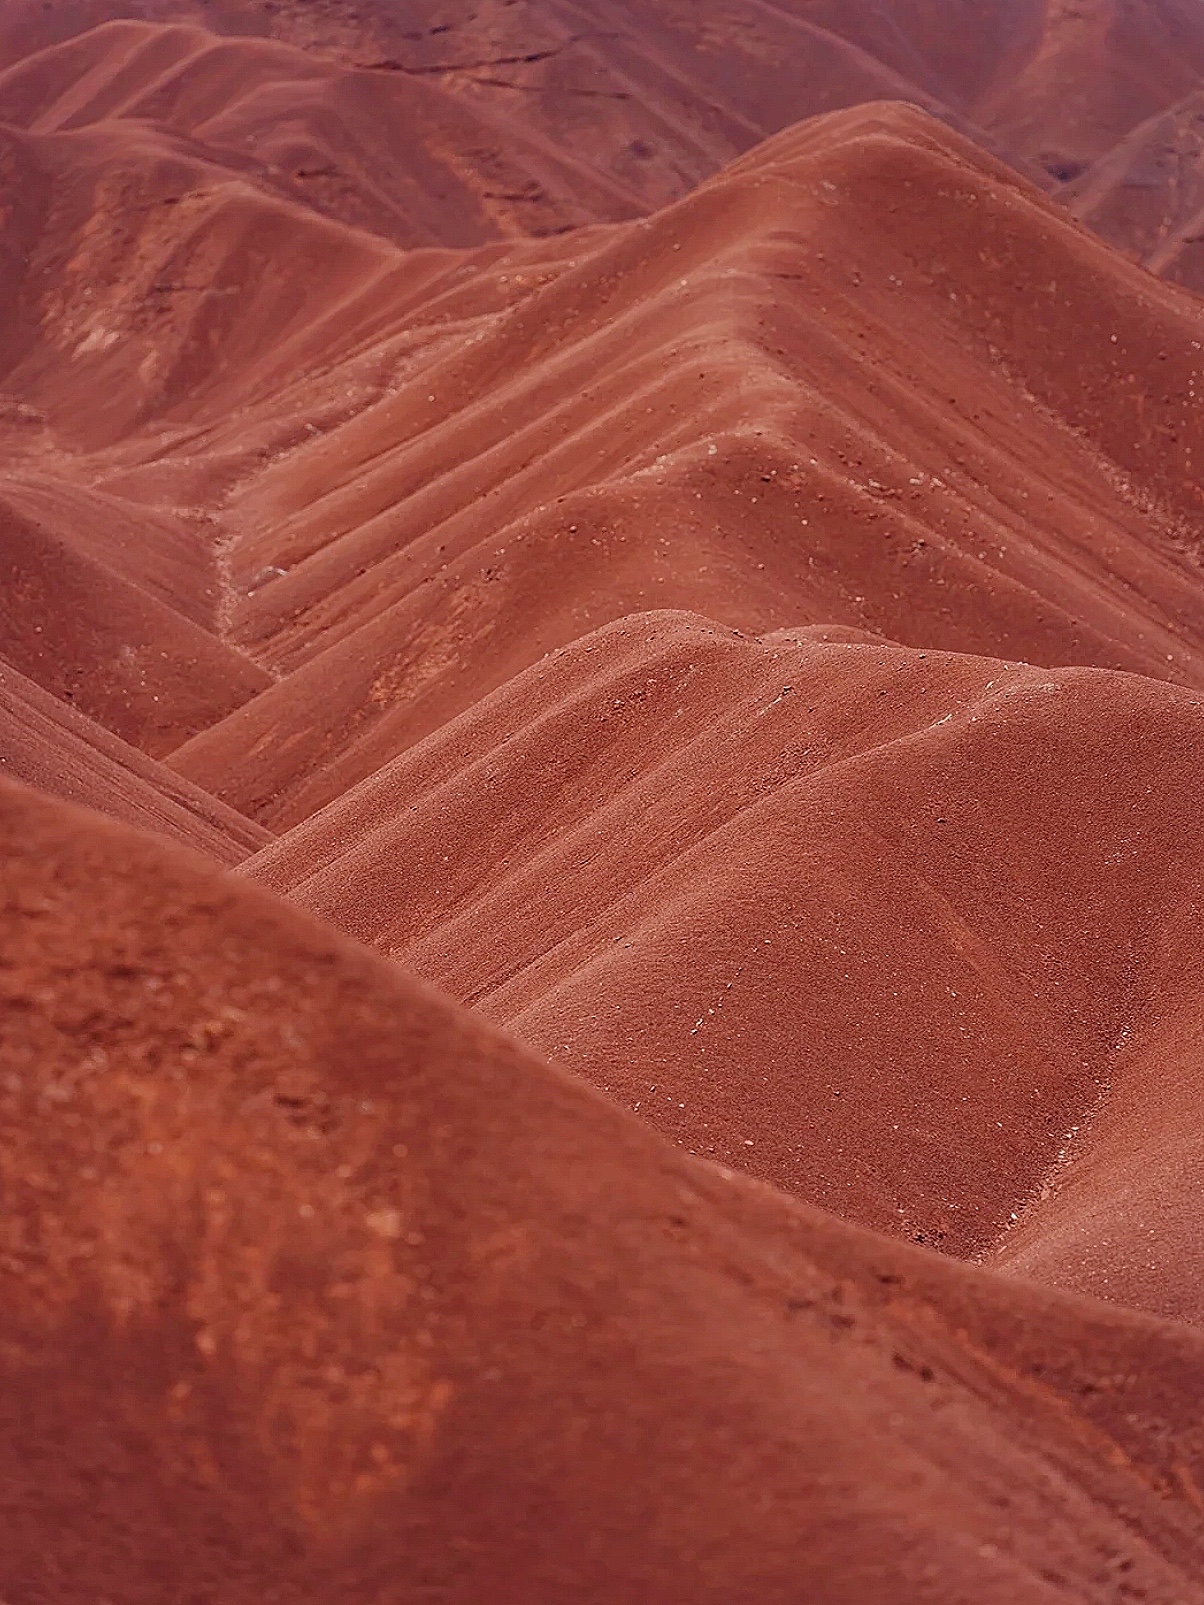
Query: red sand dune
(759, 405)
(958, 871)
(163, 287)
(543, 115)
(319, 1288)
(526, 118)
(45, 743)
(974, 430)
(751, 651)
(163, 553)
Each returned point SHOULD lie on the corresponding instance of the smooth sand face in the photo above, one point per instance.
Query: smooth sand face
(725, 610)
(316, 1285)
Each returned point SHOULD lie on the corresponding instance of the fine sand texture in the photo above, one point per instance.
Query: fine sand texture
(760, 406)
(905, 933)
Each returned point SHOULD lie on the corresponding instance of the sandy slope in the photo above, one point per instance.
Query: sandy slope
(368, 1302)
(865, 381)
(45, 743)
(973, 429)
(437, 122)
(750, 647)
(885, 928)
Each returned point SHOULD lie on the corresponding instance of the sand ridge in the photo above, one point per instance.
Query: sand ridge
(634, 852)
(831, 426)
(528, 118)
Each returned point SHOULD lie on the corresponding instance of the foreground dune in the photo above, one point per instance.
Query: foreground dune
(320, 1287)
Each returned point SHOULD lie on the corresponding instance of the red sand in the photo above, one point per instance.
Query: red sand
(438, 122)
(957, 871)
(756, 406)
(45, 743)
(319, 1289)
(752, 652)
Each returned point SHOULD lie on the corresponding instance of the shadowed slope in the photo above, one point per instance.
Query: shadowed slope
(389, 153)
(172, 558)
(559, 112)
(526, 119)
(1100, 68)
(45, 743)
(318, 1286)
(107, 646)
(1117, 1214)
(1146, 195)
(760, 405)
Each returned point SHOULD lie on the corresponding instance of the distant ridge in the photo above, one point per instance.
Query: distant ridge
(441, 121)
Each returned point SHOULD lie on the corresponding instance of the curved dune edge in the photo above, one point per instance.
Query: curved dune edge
(46, 744)
(886, 928)
(358, 1293)
(758, 405)
(522, 120)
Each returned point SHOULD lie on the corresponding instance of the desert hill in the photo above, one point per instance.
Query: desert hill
(974, 430)
(314, 544)
(107, 645)
(370, 149)
(448, 123)
(957, 871)
(320, 1288)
